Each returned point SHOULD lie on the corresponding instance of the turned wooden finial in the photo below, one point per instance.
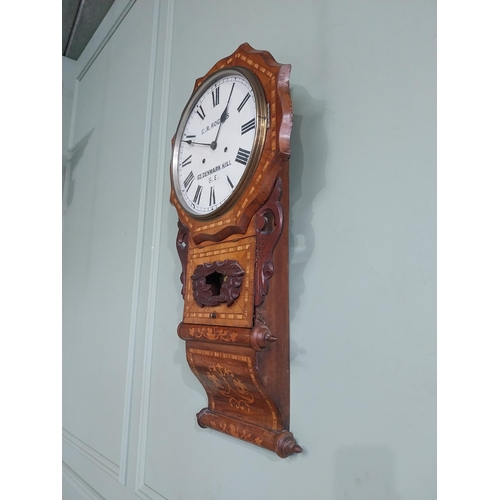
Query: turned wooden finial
(286, 445)
(270, 338)
(262, 337)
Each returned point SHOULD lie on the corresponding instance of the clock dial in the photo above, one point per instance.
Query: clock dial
(218, 142)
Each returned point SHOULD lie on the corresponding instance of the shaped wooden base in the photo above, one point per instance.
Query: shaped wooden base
(225, 362)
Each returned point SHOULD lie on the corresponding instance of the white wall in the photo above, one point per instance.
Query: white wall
(362, 273)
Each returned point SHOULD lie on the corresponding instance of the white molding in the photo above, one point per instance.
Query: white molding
(104, 32)
(119, 472)
(100, 38)
(111, 23)
(147, 493)
(94, 456)
(79, 484)
(146, 159)
(142, 489)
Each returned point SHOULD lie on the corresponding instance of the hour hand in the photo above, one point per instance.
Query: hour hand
(224, 115)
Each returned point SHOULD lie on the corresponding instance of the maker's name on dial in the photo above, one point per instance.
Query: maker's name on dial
(210, 127)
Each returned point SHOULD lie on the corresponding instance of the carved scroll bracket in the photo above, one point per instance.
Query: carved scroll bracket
(269, 221)
(182, 250)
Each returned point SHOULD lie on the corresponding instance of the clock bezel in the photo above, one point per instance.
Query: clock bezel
(257, 147)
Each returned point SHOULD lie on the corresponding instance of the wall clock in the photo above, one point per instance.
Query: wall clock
(229, 185)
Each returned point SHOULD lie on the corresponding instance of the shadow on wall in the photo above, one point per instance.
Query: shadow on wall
(365, 473)
(70, 162)
(307, 178)
(309, 147)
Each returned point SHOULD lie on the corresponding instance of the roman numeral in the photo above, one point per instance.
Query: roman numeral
(201, 113)
(197, 195)
(188, 181)
(187, 161)
(212, 196)
(242, 156)
(248, 126)
(230, 183)
(245, 99)
(215, 97)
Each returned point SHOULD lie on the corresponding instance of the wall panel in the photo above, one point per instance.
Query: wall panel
(103, 239)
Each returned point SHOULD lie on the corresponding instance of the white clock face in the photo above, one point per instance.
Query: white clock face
(219, 137)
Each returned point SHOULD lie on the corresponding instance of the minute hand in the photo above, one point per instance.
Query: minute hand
(197, 143)
(223, 118)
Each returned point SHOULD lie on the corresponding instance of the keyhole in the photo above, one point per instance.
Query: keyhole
(215, 280)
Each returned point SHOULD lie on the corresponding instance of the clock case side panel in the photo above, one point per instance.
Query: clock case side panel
(273, 312)
(274, 78)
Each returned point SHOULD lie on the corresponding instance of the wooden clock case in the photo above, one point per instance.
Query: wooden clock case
(235, 284)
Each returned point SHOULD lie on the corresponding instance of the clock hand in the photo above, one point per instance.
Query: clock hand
(223, 118)
(197, 143)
